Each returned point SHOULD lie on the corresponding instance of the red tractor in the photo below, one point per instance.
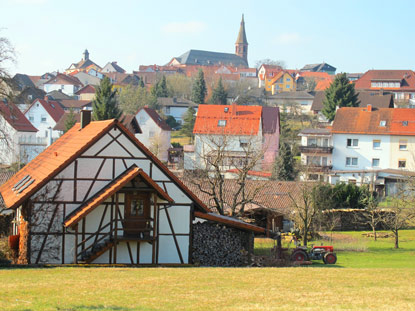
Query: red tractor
(324, 253)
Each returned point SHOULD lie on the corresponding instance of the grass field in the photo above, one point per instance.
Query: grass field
(369, 275)
(177, 137)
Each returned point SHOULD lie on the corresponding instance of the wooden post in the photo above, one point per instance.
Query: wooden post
(155, 220)
(83, 233)
(75, 261)
(116, 228)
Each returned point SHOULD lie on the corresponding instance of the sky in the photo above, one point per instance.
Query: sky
(352, 35)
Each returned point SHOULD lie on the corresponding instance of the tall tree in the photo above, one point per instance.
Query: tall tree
(134, 97)
(199, 89)
(70, 120)
(141, 83)
(160, 88)
(105, 103)
(341, 93)
(284, 167)
(189, 119)
(219, 94)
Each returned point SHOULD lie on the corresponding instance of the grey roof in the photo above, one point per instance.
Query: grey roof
(58, 95)
(270, 119)
(22, 81)
(176, 102)
(293, 95)
(317, 67)
(365, 97)
(87, 79)
(207, 58)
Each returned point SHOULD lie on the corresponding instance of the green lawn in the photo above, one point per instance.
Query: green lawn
(375, 277)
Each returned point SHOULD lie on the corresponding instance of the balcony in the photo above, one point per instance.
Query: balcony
(316, 149)
(312, 167)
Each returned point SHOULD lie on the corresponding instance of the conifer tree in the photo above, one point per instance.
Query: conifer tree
(284, 167)
(189, 119)
(141, 83)
(70, 120)
(105, 103)
(341, 93)
(199, 89)
(219, 94)
(160, 88)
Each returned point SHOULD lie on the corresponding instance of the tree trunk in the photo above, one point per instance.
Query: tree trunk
(305, 237)
(374, 233)
(396, 239)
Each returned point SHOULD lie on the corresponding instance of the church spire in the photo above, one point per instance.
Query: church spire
(241, 44)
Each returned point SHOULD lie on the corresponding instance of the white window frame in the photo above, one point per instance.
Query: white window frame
(354, 142)
(375, 141)
(350, 161)
(374, 160)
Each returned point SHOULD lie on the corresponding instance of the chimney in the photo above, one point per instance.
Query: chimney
(85, 117)
(46, 98)
(369, 107)
(233, 108)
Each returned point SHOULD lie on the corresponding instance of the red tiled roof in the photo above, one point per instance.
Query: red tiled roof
(109, 190)
(15, 117)
(239, 120)
(52, 107)
(316, 75)
(87, 89)
(252, 173)
(63, 151)
(323, 85)
(363, 121)
(407, 78)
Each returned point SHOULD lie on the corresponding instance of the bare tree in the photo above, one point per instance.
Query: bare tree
(214, 158)
(304, 211)
(372, 213)
(401, 209)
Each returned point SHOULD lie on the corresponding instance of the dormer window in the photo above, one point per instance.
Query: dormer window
(404, 123)
(382, 123)
(222, 123)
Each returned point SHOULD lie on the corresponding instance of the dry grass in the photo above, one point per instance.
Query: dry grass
(207, 289)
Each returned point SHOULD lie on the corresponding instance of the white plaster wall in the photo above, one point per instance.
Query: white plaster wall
(408, 155)
(364, 151)
(68, 89)
(37, 111)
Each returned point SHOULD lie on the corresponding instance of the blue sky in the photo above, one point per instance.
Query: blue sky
(354, 35)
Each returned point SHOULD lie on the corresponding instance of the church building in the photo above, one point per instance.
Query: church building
(208, 58)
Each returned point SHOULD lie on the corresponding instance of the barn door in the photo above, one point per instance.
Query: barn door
(137, 214)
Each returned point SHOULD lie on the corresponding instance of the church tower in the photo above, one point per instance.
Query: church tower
(241, 44)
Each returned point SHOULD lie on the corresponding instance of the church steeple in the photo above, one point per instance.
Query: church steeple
(241, 44)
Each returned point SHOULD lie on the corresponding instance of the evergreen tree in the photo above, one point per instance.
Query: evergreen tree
(219, 94)
(141, 83)
(199, 89)
(189, 119)
(160, 88)
(105, 103)
(70, 120)
(284, 168)
(341, 93)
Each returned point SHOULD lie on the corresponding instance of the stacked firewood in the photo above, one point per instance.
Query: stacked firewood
(218, 245)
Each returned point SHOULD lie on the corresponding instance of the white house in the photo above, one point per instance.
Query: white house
(366, 140)
(67, 84)
(155, 132)
(98, 195)
(238, 131)
(17, 136)
(44, 114)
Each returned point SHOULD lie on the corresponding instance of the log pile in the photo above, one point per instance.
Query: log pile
(220, 246)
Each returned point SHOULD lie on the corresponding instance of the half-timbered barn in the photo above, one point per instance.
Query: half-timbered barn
(98, 195)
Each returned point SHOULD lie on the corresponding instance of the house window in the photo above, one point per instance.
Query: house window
(222, 123)
(382, 123)
(351, 161)
(167, 110)
(29, 97)
(43, 119)
(403, 145)
(375, 162)
(288, 79)
(376, 144)
(401, 163)
(31, 118)
(243, 142)
(311, 142)
(287, 86)
(404, 123)
(62, 87)
(352, 142)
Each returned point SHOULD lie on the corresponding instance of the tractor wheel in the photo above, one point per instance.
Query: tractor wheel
(330, 258)
(299, 255)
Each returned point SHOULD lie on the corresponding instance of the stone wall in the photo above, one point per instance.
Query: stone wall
(221, 246)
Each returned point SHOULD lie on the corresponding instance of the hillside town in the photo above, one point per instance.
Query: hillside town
(217, 156)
